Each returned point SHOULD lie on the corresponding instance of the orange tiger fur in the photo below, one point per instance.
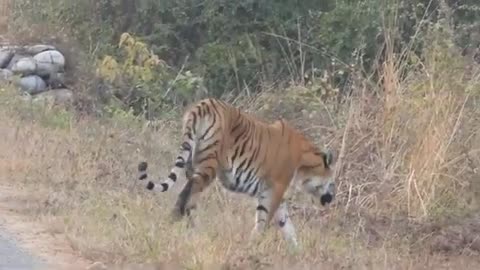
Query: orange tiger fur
(247, 156)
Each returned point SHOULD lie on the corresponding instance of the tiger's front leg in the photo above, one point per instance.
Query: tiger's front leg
(262, 213)
(268, 203)
(286, 227)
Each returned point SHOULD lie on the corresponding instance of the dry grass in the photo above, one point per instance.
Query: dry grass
(81, 175)
(81, 181)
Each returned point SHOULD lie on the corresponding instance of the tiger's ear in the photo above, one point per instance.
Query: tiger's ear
(329, 158)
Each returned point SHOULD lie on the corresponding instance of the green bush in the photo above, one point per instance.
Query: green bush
(143, 83)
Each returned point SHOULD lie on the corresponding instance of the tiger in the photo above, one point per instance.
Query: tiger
(247, 156)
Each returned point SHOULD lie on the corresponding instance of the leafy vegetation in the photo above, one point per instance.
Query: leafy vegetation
(219, 47)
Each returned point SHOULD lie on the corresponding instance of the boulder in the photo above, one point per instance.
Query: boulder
(32, 84)
(49, 62)
(5, 57)
(24, 66)
(34, 69)
(15, 59)
(36, 49)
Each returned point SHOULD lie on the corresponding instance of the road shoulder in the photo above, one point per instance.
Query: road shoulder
(52, 250)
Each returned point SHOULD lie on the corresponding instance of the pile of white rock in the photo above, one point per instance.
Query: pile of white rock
(37, 70)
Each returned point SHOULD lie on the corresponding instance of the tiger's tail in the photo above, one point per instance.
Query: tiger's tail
(184, 156)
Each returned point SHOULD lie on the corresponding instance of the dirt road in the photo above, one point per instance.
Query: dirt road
(28, 244)
(14, 257)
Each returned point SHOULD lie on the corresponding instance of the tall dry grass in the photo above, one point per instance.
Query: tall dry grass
(423, 117)
(80, 177)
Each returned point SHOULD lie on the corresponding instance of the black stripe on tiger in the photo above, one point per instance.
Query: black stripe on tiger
(262, 208)
(142, 170)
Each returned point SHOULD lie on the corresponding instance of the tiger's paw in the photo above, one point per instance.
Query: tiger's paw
(255, 238)
(175, 215)
(293, 248)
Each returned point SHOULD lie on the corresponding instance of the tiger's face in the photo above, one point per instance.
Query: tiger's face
(319, 181)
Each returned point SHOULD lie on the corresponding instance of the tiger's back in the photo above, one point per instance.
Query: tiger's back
(247, 156)
(242, 146)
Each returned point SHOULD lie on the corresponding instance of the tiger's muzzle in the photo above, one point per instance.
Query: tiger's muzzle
(328, 194)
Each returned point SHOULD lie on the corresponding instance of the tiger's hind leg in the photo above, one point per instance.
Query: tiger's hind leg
(203, 174)
(188, 197)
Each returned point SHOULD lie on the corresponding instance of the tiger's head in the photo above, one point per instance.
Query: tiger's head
(316, 176)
